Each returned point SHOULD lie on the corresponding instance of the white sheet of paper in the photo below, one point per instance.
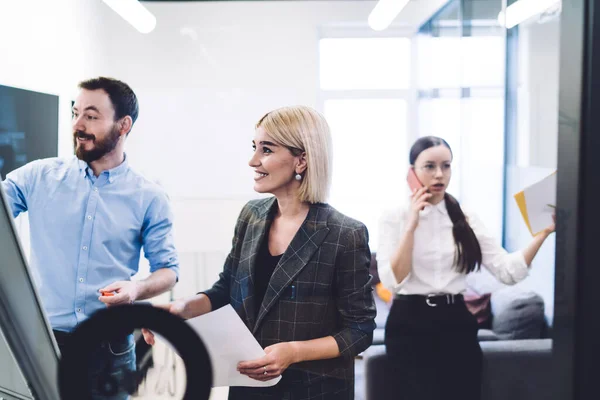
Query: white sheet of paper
(228, 342)
(537, 198)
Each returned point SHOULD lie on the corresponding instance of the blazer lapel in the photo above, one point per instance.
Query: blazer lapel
(304, 244)
(258, 226)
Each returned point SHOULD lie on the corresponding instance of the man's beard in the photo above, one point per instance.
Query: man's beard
(101, 146)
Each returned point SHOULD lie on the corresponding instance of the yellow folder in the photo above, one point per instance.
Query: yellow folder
(536, 203)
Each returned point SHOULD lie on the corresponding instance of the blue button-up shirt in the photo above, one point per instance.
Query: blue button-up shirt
(87, 231)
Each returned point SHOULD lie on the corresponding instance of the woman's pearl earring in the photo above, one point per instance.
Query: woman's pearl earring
(298, 177)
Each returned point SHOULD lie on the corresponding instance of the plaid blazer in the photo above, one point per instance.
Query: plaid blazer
(320, 287)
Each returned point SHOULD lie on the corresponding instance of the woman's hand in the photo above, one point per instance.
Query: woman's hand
(175, 307)
(531, 250)
(419, 200)
(552, 227)
(279, 356)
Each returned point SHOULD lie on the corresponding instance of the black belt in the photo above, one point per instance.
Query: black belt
(432, 300)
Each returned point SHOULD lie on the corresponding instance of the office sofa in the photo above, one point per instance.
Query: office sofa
(512, 369)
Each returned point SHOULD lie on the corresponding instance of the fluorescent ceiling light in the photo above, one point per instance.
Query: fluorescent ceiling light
(135, 13)
(385, 12)
(523, 10)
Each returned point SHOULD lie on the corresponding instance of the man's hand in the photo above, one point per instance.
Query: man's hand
(126, 293)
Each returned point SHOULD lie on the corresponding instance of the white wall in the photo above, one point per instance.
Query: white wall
(206, 75)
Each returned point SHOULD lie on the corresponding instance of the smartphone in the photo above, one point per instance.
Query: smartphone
(413, 182)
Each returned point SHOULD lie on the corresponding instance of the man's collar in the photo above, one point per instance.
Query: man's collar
(112, 173)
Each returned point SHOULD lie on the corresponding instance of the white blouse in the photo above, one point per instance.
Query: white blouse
(433, 261)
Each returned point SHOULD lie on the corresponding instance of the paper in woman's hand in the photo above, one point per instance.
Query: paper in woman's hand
(228, 342)
(537, 204)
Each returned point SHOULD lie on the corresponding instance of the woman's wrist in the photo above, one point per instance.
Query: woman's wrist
(411, 227)
(545, 233)
(190, 306)
(296, 351)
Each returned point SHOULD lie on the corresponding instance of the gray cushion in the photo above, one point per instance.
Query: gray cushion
(517, 369)
(486, 335)
(514, 369)
(517, 314)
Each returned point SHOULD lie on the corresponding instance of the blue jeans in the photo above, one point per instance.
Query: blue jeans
(112, 368)
(112, 373)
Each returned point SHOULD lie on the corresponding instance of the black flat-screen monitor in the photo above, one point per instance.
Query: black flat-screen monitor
(28, 127)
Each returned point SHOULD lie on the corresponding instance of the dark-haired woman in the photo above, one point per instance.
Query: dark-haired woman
(427, 248)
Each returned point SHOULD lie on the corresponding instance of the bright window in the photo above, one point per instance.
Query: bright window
(450, 62)
(364, 63)
(370, 156)
(483, 61)
(364, 94)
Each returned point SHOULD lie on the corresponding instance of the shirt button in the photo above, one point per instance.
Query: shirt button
(95, 189)
(89, 217)
(81, 280)
(79, 310)
(85, 247)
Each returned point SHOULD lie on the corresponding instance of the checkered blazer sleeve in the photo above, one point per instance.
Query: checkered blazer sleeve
(219, 294)
(354, 293)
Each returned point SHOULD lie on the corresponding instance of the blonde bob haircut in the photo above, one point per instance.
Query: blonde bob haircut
(304, 130)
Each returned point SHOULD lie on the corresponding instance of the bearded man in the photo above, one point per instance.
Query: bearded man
(89, 217)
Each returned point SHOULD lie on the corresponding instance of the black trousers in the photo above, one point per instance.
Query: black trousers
(434, 352)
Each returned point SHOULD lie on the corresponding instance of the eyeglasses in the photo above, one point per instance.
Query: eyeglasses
(431, 169)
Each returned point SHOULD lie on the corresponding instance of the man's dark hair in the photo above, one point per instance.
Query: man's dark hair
(122, 97)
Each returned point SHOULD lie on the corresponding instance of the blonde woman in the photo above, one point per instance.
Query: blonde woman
(297, 273)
